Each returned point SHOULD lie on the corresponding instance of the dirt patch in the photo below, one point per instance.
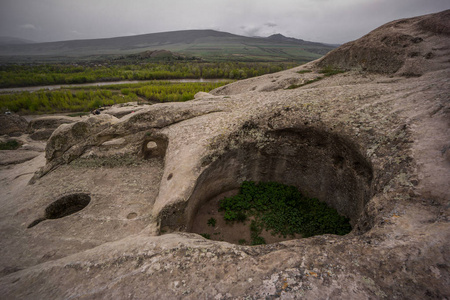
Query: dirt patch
(236, 233)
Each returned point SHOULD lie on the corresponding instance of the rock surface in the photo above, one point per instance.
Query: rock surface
(12, 124)
(43, 127)
(120, 110)
(373, 145)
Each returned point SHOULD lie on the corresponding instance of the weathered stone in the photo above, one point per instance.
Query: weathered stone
(42, 128)
(388, 48)
(373, 146)
(12, 124)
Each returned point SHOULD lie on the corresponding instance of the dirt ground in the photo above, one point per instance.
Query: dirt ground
(234, 232)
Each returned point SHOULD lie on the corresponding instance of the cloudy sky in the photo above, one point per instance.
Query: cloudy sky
(330, 21)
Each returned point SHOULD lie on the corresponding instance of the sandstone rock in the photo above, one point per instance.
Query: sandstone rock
(373, 146)
(10, 157)
(120, 110)
(408, 47)
(12, 124)
(42, 128)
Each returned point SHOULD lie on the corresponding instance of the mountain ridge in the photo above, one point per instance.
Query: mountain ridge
(204, 43)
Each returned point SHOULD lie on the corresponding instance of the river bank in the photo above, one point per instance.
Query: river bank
(68, 86)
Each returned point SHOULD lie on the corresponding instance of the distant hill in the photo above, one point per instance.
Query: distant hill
(8, 40)
(207, 44)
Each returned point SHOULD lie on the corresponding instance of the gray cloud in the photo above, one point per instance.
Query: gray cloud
(270, 24)
(28, 27)
(336, 21)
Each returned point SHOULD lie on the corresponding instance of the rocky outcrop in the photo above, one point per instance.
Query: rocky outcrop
(120, 110)
(408, 47)
(12, 124)
(373, 146)
(42, 128)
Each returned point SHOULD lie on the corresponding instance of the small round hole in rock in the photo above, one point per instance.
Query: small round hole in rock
(67, 205)
(131, 215)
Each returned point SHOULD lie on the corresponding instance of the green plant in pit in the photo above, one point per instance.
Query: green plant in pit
(206, 236)
(242, 242)
(255, 230)
(211, 222)
(10, 145)
(283, 210)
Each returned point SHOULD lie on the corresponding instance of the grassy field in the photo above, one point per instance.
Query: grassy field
(89, 98)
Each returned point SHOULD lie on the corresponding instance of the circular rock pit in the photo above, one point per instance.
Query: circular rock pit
(321, 164)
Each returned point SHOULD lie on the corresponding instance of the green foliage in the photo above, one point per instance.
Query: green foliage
(88, 98)
(206, 236)
(212, 222)
(10, 145)
(330, 71)
(283, 210)
(304, 71)
(242, 242)
(24, 75)
(327, 71)
(255, 230)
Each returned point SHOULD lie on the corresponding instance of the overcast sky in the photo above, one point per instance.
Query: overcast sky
(329, 21)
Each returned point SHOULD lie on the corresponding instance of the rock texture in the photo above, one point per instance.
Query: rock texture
(42, 128)
(371, 142)
(408, 47)
(12, 124)
(120, 110)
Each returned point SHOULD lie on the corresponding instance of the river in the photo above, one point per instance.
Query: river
(59, 86)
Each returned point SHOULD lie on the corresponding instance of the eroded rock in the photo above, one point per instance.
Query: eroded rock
(42, 128)
(12, 124)
(371, 145)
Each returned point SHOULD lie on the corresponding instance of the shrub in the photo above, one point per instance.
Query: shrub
(206, 236)
(242, 242)
(10, 145)
(211, 222)
(283, 210)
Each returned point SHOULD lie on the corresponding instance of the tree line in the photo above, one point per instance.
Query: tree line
(33, 75)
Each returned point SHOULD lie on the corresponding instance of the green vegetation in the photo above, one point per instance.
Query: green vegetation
(294, 86)
(212, 222)
(242, 242)
(88, 98)
(283, 210)
(23, 75)
(330, 71)
(304, 71)
(206, 236)
(9, 145)
(327, 71)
